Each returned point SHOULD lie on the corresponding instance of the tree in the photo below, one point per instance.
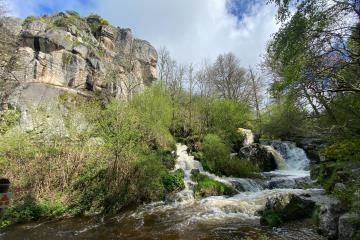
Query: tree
(315, 58)
(255, 83)
(230, 79)
(8, 59)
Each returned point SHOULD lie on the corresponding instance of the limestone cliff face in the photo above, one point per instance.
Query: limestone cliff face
(85, 54)
(65, 53)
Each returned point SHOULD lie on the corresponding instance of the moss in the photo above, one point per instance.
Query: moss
(31, 19)
(208, 187)
(104, 22)
(271, 218)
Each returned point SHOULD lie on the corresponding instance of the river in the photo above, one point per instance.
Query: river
(183, 217)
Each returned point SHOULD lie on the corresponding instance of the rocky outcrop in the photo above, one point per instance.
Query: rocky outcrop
(66, 53)
(290, 207)
(84, 53)
(260, 156)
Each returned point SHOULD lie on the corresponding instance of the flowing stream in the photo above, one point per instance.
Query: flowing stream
(183, 217)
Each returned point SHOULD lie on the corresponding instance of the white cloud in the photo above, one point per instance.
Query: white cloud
(195, 29)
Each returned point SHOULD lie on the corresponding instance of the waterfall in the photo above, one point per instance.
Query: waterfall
(295, 157)
(280, 161)
(248, 134)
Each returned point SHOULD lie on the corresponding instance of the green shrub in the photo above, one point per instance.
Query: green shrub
(347, 150)
(216, 159)
(215, 153)
(199, 156)
(270, 218)
(31, 209)
(8, 119)
(226, 117)
(279, 118)
(31, 19)
(208, 187)
(173, 181)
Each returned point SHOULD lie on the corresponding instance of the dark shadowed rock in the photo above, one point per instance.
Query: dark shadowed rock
(290, 206)
(260, 156)
(348, 225)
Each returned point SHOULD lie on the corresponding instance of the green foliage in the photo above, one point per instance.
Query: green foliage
(280, 118)
(271, 218)
(8, 119)
(208, 187)
(216, 159)
(104, 22)
(95, 22)
(215, 152)
(30, 209)
(173, 181)
(226, 116)
(347, 150)
(31, 19)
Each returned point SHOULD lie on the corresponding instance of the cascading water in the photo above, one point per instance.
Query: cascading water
(248, 136)
(216, 217)
(295, 157)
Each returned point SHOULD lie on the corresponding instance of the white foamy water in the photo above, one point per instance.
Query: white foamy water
(243, 204)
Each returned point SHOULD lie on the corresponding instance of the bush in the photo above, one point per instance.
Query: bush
(279, 118)
(173, 181)
(30, 209)
(215, 153)
(347, 150)
(8, 119)
(226, 117)
(31, 19)
(206, 186)
(216, 159)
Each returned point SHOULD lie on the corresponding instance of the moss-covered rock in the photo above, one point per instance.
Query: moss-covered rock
(286, 207)
(206, 186)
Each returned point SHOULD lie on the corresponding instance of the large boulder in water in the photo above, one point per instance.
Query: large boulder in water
(286, 207)
(260, 156)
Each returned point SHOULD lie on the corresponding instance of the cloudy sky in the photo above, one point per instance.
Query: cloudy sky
(191, 29)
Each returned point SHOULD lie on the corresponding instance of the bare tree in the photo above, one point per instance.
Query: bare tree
(203, 79)
(255, 81)
(191, 84)
(230, 79)
(164, 60)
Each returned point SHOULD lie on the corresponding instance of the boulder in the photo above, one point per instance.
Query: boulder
(327, 213)
(260, 156)
(349, 225)
(290, 206)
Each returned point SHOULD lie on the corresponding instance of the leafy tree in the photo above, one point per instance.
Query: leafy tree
(314, 58)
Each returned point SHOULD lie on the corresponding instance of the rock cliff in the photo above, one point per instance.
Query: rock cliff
(83, 53)
(67, 53)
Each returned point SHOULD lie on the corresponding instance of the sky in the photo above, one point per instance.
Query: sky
(192, 30)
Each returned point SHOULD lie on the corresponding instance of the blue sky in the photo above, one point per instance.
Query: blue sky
(191, 29)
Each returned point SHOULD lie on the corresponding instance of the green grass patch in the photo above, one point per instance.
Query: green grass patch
(208, 187)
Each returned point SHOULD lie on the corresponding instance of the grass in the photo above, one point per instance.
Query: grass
(208, 187)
